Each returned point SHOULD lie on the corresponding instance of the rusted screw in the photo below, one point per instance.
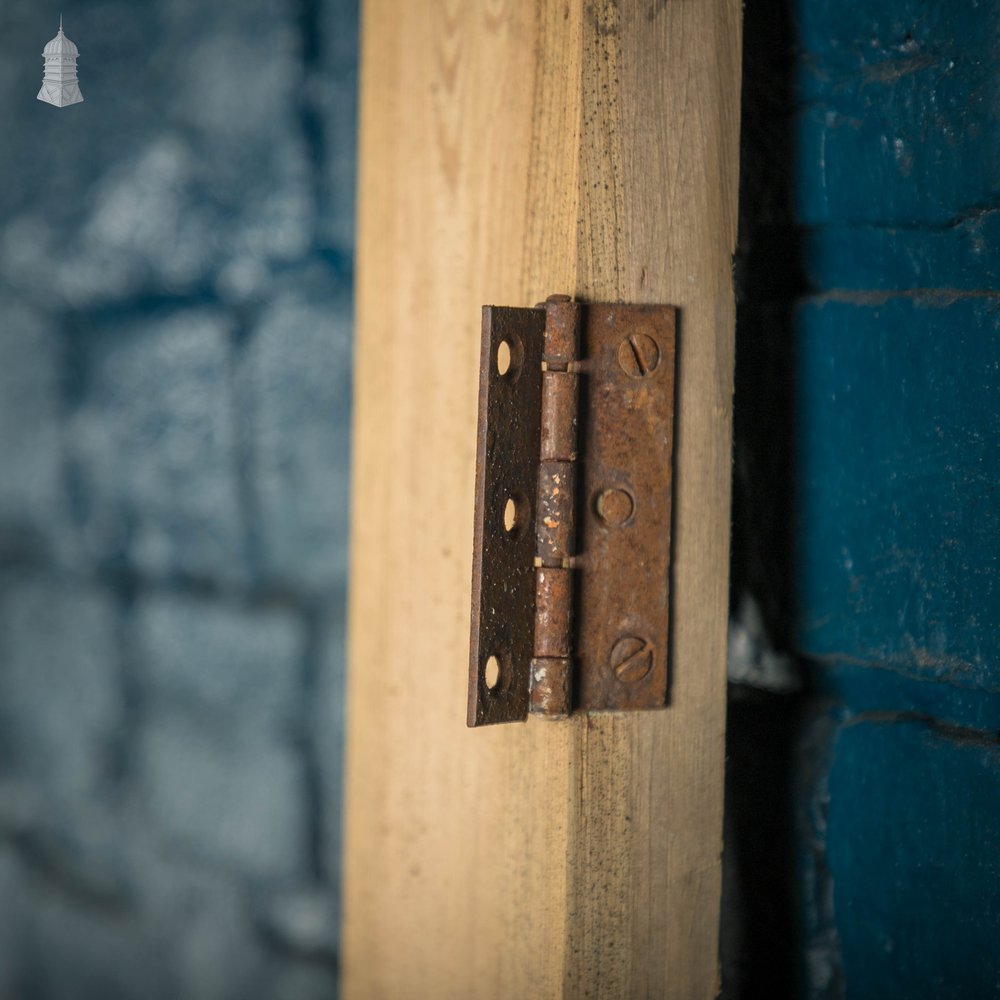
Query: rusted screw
(631, 658)
(638, 355)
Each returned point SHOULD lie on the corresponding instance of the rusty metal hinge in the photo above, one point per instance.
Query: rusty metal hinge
(571, 564)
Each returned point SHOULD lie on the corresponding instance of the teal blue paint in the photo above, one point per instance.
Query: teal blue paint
(959, 258)
(883, 689)
(913, 827)
(900, 108)
(895, 114)
(898, 471)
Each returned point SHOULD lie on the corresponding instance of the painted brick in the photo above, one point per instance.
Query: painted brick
(913, 826)
(33, 509)
(154, 447)
(60, 696)
(818, 967)
(327, 716)
(217, 175)
(164, 761)
(898, 508)
(191, 937)
(80, 845)
(235, 800)
(202, 920)
(72, 949)
(301, 981)
(303, 920)
(958, 258)
(332, 91)
(230, 666)
(11, 930)
(869, 168)
(886, 689)
(47, 137)
(882, 549)
(900, 121)
(296, 370)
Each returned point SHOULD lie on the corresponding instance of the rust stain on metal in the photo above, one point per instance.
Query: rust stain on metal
(559, 415)
(553, 611)
(556, 514)
(639, 355)
(552, 675)
(562, 320)
(615, 506)
(550, 687)
(631, 658)
(503, 575)
(623, 589)
(574, 603)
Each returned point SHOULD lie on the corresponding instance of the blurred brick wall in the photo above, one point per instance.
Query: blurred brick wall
(175, 267)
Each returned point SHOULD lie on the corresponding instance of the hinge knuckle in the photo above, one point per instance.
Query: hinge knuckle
(559, 405)
(550, 687)
(555, 525)
(553, 611)
(562, 331)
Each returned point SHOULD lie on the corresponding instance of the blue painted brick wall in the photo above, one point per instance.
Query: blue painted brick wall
(175, 317)
(863, 796)
(881, 306)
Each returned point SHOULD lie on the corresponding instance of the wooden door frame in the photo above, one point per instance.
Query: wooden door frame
(509, 150)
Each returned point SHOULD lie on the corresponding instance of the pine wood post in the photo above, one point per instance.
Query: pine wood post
(511, 149)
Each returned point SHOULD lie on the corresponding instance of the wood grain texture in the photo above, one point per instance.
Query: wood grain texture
(509, 150)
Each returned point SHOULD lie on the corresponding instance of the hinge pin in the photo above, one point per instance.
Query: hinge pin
(552, 664)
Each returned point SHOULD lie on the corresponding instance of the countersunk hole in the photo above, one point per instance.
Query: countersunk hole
(491, 673)
(509, 356)
(515, 514)
(503, 358)
(615, 506)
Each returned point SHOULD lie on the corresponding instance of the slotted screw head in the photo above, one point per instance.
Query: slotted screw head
(638, 355)
(631, 658)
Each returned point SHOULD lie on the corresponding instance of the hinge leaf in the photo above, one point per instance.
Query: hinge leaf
(503, 597)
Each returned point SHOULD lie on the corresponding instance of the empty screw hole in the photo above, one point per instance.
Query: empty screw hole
(503, 357)
(492, 672)
(509, 515)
